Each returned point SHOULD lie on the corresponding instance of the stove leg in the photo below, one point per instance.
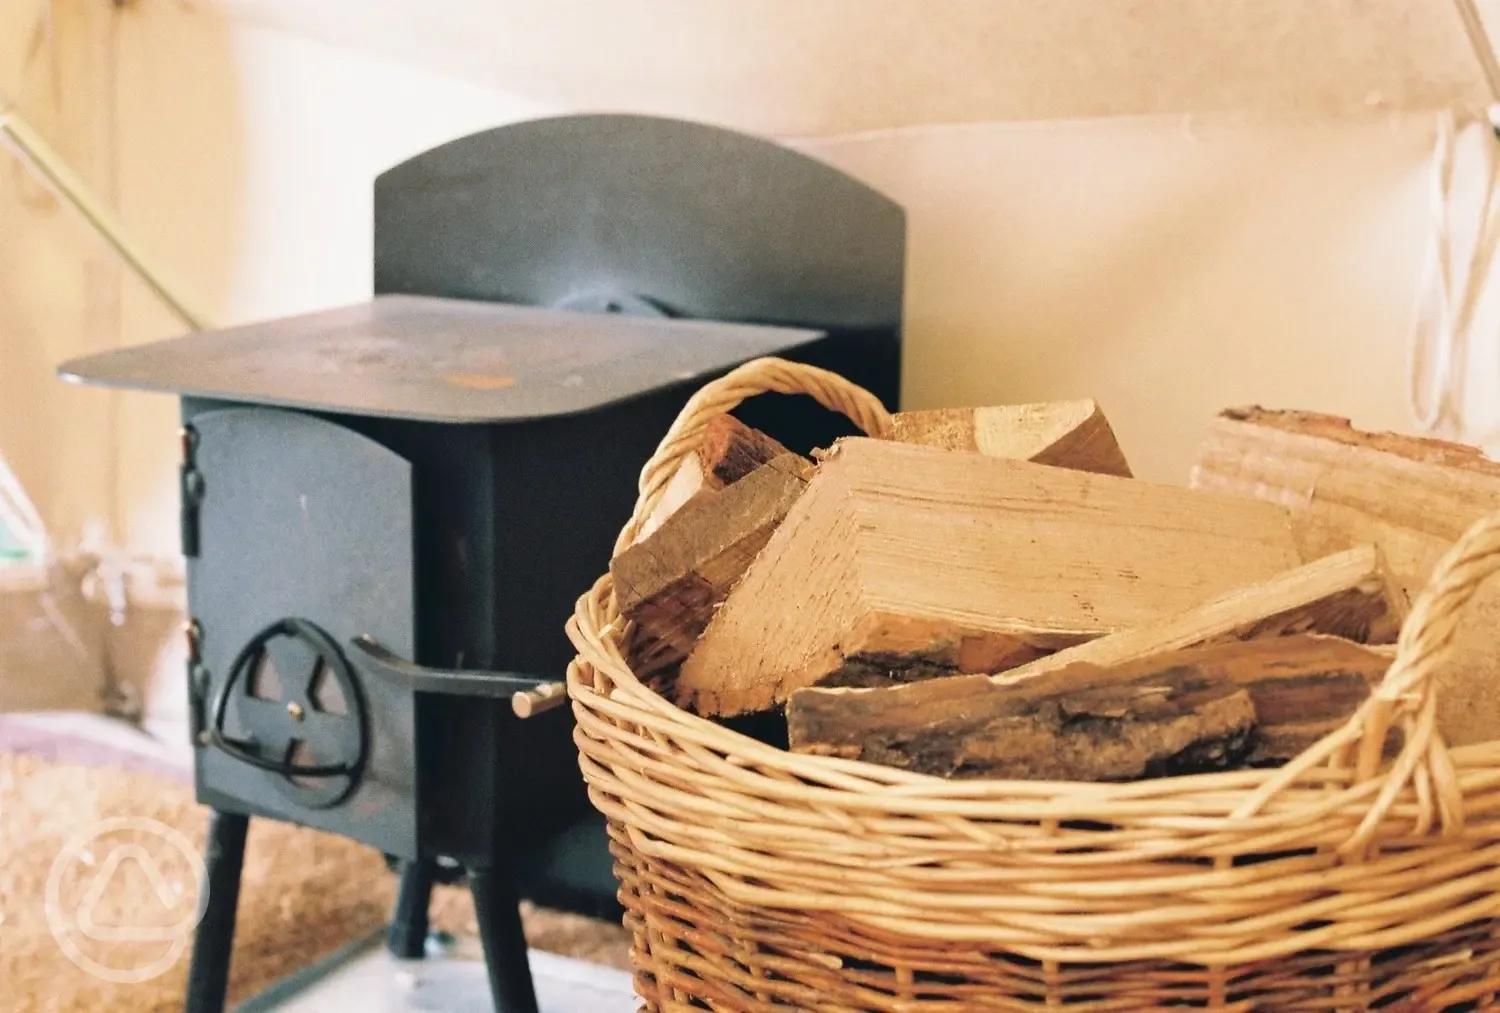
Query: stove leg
(407, 936)
(208, 975)
(497, 909)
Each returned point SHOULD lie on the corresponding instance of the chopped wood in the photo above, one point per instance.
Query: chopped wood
(961, 728)
(1091, 722)
(1067, 434)
(670, 582)
(904, 562)
(1424, 449)
(1350, 594)
(1412, 496)
(730, 450)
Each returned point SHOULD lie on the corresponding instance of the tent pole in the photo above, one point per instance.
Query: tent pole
(46, 164)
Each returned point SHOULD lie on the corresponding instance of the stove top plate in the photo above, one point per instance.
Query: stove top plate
(439, 360)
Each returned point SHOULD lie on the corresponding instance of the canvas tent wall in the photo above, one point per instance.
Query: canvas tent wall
(794, 67)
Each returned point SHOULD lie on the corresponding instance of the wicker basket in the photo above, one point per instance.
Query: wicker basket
(759, 880)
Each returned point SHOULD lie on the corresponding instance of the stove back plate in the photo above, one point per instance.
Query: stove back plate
(699, 221)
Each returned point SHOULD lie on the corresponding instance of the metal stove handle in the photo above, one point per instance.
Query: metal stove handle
(216, 738)
(327, 650)
(529, 695)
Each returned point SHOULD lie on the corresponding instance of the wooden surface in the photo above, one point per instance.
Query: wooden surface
(1413, 497)
(905, 561)
(1161, 714)
(1068, 434)
(730, 451)
(1349, 594)
(670, 582)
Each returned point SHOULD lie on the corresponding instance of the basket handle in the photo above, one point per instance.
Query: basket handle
(1407, 696)
(721, 396)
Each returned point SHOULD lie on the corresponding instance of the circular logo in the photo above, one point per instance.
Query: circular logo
(123, 898)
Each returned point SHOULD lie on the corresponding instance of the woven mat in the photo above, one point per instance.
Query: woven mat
(305, 894)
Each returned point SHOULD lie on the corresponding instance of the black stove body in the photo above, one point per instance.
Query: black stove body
(389, 509)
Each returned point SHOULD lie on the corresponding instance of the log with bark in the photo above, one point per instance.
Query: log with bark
(1206, 708)
(1412, 496)
(903, 562)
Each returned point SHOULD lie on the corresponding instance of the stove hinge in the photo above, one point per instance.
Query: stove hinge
(197, 683)
(191, 481)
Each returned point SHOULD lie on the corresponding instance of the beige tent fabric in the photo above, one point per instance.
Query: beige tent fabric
(825, 66)
(1165, 266)
(59, 290)
(60, 295)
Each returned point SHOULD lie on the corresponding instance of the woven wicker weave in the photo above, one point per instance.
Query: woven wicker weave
(759, 880)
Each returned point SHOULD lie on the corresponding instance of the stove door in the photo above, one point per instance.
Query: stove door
(304, 541)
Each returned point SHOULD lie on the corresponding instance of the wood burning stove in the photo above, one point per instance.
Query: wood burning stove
(388, 509)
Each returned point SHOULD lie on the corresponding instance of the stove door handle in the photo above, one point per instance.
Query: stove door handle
(528, 694)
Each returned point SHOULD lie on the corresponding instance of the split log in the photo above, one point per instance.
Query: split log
(902, 562)
(730, 451)
(1412, 496)
(670, 582)
(1094, 723)
(1067, 434)
(1350, 594)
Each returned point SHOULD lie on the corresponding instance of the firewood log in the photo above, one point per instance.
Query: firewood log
(670, 582)
(902, 562)
(1068, 434)
(1413, 497)
(730, 450)
(1174, 712)
(1350, 594)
